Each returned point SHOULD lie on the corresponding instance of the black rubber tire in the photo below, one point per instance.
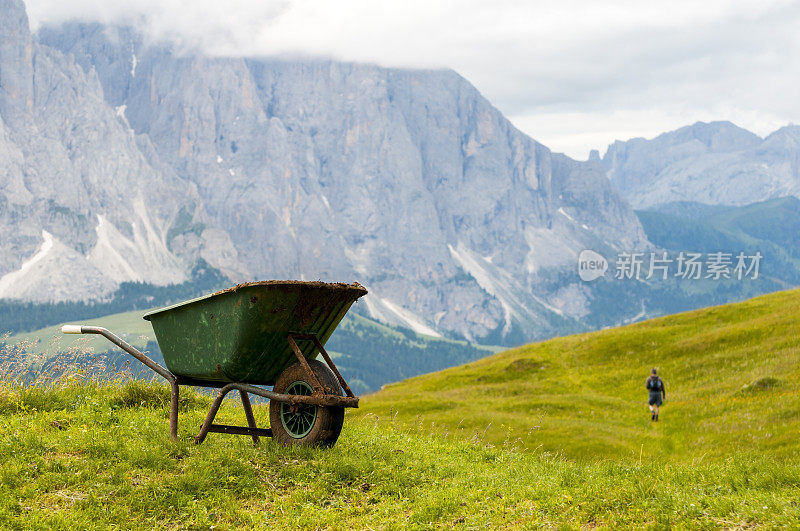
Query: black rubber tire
(329, 420)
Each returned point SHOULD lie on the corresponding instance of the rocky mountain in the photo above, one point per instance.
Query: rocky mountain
(126, 160)
(711, 163)
(75, 207)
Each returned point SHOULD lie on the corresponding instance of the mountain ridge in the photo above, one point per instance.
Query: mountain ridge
(712, 163)
(409, 181)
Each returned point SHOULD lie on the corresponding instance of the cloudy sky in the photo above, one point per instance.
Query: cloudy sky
(573, 74)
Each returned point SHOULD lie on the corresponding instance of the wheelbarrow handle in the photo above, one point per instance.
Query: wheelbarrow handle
(141, 356)
(124, 345)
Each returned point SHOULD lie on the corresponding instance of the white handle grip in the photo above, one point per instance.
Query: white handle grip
(71, 329)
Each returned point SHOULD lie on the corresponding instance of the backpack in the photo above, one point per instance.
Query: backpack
(654, 384)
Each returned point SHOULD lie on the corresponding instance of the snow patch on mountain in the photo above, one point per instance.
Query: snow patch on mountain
(120, 111)
(493, 281)
(358, 258)
(34, 281)
(564, 213)
(9, 280)
(414, 321)
(107, 258)
(550, 248)
(385, 310)
(142, 258)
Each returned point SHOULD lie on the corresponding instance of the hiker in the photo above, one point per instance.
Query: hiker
(655, 385)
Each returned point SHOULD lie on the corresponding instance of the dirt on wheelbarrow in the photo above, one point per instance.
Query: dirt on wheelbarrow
(315, 297)
(293, 283)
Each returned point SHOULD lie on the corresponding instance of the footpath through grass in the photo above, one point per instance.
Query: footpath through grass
(732, 376)
(94, 456)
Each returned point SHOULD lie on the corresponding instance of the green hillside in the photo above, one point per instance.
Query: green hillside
(371, 354)
(732, 376)
(129, 325)
(770, 227)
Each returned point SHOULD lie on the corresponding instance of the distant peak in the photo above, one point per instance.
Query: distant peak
(717, 125)
(11, 7)
(787, 138)
(786, 130)
(717, 136)
(14, 18)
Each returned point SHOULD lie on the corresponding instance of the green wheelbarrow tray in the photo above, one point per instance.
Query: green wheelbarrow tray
(254, 334)
(239, 334)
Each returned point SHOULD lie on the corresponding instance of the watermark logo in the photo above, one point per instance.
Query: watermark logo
(684, 266)
(591, 265)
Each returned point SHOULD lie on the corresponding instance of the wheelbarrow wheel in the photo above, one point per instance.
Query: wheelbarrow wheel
(304, 424)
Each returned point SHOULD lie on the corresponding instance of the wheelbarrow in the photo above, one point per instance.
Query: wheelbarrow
(251, 335)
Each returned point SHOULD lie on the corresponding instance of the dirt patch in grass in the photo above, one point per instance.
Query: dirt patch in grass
(526, 365)
(767, 383)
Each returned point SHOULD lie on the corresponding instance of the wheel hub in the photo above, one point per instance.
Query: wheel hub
(298, 419)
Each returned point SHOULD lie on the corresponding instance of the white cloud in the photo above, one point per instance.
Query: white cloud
(574, 74)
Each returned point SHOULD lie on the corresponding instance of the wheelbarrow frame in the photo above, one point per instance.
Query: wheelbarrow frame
(317, 398)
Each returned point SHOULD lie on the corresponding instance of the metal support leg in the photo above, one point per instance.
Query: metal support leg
(315, 383)
(212, 413)
(293, 337)
(332, 365)
(173, 411)
(248, 412)
(245, 390)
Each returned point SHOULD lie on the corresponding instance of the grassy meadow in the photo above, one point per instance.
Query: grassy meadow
(91, 456)
(553, 434)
